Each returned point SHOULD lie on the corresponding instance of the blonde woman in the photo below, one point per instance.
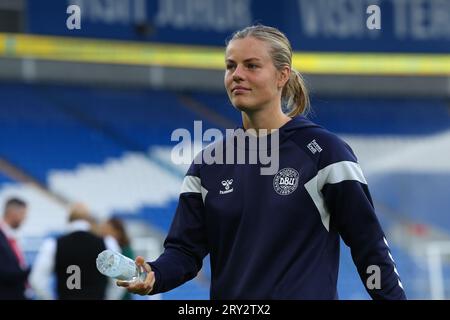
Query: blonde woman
(274, 236)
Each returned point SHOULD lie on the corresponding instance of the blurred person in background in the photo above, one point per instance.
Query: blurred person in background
(116, 228)
(274, 236)
(13, 269)
(78, 247)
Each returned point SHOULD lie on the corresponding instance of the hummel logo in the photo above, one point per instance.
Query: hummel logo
(314, 147)
(227, 184)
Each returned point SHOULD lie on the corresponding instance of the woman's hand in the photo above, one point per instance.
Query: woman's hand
(139, 287)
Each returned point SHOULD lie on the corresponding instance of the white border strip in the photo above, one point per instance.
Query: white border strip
(193, 184)
(334, 173)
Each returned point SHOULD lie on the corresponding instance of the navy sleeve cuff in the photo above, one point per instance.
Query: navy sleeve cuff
(157, 283)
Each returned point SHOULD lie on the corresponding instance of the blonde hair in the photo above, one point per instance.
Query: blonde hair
(294, 96)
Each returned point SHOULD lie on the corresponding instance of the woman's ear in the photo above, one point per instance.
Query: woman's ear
(283, 76)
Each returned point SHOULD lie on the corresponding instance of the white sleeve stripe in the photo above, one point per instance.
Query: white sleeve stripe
(316, 196)
(340, 171)
(193, 184)
(334, 173)
(391, 257)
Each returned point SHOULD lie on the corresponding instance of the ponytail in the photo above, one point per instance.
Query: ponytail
(295, 95)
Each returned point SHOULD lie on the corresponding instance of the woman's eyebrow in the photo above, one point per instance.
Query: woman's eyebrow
(246, 60)
(252, 59)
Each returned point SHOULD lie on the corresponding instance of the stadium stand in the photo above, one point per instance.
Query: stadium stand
(111, 148)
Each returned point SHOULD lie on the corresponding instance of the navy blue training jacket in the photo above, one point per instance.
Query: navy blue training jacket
(277, 236)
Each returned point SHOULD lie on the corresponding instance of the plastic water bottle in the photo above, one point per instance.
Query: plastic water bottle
(116, 265)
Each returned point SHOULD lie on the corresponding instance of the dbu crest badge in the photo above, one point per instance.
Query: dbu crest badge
(286, 181)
